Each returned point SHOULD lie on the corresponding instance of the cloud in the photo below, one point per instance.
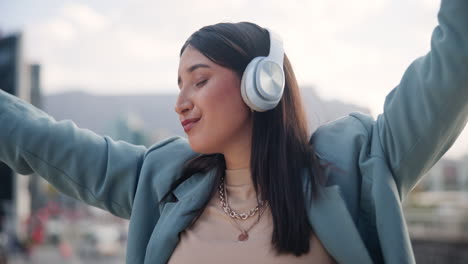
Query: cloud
(58, 30)
(72, 20)
(141, 46)
(430, 5)
(84, 17)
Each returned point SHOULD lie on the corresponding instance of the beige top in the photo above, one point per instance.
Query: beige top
(213, 237)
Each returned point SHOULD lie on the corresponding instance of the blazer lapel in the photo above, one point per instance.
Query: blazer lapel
(176, 216)
(328, 216)
(333, 225)
(194, 191)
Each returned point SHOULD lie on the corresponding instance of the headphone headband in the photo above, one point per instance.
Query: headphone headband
(276, 48)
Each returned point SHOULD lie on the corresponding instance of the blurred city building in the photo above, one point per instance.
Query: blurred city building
(446, 175)
(436, 212)
(19, 196)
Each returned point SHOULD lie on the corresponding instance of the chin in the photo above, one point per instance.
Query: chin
(201, 146)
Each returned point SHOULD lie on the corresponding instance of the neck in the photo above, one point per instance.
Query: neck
(238, 149)
(236, 177)
(238, 166)
(237, 158)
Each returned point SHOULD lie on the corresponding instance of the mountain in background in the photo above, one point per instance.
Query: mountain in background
(154, 113)
(320, 111)
(100, 113)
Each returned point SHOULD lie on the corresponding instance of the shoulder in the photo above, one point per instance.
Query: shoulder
(174, 144)
(169, 152)
(343, 136)
(164, 161)
(351, 146)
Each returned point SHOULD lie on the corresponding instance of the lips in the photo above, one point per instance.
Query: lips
(189, 123)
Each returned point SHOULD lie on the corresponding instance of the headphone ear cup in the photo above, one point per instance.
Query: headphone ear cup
(262, 84)
(248, 85)
(263, 80)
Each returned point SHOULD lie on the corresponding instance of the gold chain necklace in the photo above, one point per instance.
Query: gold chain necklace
(231, 213)
(244, 235)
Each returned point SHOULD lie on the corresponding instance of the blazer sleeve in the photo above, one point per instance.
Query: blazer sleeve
(427, 111)
(92, 168)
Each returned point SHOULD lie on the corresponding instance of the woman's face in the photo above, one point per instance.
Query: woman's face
(211, 93)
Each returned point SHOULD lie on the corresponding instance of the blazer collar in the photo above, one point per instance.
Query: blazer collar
(328, 216)
(176, 216)
(196, 187)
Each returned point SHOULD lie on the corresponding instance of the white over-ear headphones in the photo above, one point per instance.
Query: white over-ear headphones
(262, 83)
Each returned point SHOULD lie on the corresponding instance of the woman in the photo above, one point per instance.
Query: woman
(250, 186)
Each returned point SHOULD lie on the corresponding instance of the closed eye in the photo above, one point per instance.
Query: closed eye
(201, 83)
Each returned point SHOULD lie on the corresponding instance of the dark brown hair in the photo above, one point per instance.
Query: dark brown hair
(280, 138)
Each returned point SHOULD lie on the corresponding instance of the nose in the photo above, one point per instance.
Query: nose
(183, 105)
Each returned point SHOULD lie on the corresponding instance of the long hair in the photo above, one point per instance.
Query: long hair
(280, 138)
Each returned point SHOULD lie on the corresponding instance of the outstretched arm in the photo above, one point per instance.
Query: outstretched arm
(98, 170)
(427, 111)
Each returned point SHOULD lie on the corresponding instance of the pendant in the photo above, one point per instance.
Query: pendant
(243, 236)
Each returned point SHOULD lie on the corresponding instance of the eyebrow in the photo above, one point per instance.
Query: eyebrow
(192, 68)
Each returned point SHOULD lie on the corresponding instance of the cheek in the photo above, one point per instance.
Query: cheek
(224, 115)
(227, 99)
(226, 104)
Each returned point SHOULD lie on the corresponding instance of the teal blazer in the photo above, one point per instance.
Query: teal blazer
(359, 219)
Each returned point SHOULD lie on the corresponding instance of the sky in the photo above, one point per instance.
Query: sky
(354, 51)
